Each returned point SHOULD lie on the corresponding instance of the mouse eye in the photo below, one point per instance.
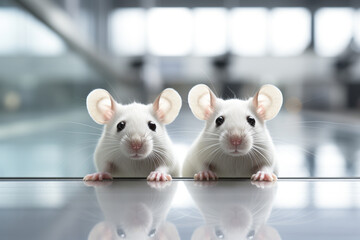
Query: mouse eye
(251, 235)
(121, 233)
(220, 120)
(152, 126)
(251, 121)
(121, 125)
(152, 233)
(219, 234)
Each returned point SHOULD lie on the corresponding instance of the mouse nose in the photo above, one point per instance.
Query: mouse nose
(136, 145)
(235, 140)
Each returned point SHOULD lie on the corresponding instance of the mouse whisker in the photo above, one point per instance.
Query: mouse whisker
(85, 125)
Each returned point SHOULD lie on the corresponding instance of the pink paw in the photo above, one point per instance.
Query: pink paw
(262, 184)
(205, 176)
(98, 176)
(263, 176)
(159, 185)
(159, 176)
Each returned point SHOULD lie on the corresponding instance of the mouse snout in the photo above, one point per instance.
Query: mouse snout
(137, 146)
(136, 143)
(235, 140)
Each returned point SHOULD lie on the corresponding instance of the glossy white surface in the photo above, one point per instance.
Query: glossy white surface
(183, 209)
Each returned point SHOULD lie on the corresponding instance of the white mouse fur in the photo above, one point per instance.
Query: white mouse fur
(134, 142)
(238, 210)
(229, 146)
(134, 210)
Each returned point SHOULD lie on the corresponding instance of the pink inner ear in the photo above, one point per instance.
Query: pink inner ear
(261, 111)
(104, 107)
(108, 114)
(207, 102)
(208, 112)
(160, 114)
(162, 106)
(263, 102)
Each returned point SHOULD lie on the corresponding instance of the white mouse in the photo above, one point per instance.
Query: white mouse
(134, 142)
(234, 210)
(235, 141)
(134, 210)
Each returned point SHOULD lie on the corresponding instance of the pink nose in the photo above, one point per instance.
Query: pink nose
(235, 140)
(136, 145)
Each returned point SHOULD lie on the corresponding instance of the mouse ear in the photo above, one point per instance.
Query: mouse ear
(167, 105)
(201, 101)
(100, 105)
(268, 101)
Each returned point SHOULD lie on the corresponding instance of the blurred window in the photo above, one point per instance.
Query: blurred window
(170, 31)
(127, 31)
(333, 30)
(290, 31)
(249, 27)
(357, 28)
(23, 34)
(210, 31)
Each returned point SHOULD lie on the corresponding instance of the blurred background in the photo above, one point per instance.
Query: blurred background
(53, 53)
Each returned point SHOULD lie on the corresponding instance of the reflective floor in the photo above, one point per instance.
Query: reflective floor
(183, 209)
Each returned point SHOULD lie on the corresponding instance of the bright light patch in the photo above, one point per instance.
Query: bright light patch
(179, 150)
(333, 30)
(290, 31)
(11, 39)
(330, 162)
(23, 34)
(291, 161)
(210, 31)
(292, 195)
(40, 39)
(182, 198)
(127, 31)
(249, 31)
(332, 195)
(170, 31)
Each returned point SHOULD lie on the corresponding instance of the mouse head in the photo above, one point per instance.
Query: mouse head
(235, 125)
(135, 129)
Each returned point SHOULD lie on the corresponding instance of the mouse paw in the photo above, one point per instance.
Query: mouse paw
(159, 185)
(159, 176)
(263, 176)
(205, 176)
(263, 184)
(98, 176)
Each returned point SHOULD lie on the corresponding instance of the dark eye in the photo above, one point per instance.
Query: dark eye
(152, 126)
(251, 234)
(152, 233)
(121, 125)
(220, 120)
(121, 233)
(251, 121)
(219, 234)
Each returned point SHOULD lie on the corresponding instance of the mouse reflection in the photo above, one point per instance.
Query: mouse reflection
(134, 210)
(234, 210)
